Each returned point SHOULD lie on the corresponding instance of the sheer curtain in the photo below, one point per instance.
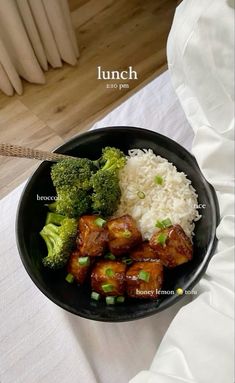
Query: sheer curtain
(33, 35)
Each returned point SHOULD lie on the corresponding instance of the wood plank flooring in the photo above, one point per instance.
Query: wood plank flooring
(113, 34)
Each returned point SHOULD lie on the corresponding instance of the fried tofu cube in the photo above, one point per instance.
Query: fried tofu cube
(144, 279)
(172, 246)
(108, 278)
(78, 269)
(123, 234)
(143, 252)
(92, 238)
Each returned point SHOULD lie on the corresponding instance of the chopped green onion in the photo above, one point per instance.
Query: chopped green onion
(95, 296)
(141, 194)
(100, 222)
(84, 261)
(110, 300)
(163, 224)
(126, 234)
(107, 288)
(144, 275)
(120, 299)
(159, 224)
(167, 222)
(158, 180)
(69, 278)
(127, 260)
(110, 256)
(161, 239)
(109, 272)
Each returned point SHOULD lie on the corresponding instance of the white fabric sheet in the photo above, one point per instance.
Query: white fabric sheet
(199, 345)
(40, 342)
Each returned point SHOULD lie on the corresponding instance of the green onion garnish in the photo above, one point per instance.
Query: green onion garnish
(84, 261)
(107, 288)
(159, 224)
(126, 234)
(120, 299)
(95, 296)
(161, 239)
(141, 194)
(163, 224)
(109, 272)
(127, 260)
(69, 278)
(144, 275)
(110, 300)
(158, 180)
(167, 222)
(110, 256)
(100, 222)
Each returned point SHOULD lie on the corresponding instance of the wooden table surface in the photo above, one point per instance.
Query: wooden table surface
(111, 34)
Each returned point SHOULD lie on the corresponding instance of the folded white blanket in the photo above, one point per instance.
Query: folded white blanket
(198, 346)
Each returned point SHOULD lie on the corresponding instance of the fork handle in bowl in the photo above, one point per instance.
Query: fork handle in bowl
(11, 150)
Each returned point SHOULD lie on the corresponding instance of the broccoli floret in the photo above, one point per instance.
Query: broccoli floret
(74, 172)
(106, 192)
(72, 202)
(71, 179)
(105, 182)
(75, 179)
(60, 240)
(54, 218)
(112, 159)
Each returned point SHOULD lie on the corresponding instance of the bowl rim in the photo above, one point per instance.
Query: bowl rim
(173, 299)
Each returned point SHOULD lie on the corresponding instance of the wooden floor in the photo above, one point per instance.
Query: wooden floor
(113, 34)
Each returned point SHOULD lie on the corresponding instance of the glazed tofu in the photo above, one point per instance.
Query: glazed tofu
(92, 239)
(143, 252)
(144, 279)
(108, 278)
(78, 271)
(123, 234)
(172, 246)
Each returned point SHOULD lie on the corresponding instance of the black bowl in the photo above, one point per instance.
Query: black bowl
(32, 212)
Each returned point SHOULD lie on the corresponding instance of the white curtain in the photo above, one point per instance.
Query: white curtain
(33, 34)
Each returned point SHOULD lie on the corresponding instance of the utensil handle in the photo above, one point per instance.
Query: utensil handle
(20, 151)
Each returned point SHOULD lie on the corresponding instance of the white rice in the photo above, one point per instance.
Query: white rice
(175, 199)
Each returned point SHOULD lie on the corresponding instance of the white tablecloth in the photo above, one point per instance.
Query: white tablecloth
(40, 342)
